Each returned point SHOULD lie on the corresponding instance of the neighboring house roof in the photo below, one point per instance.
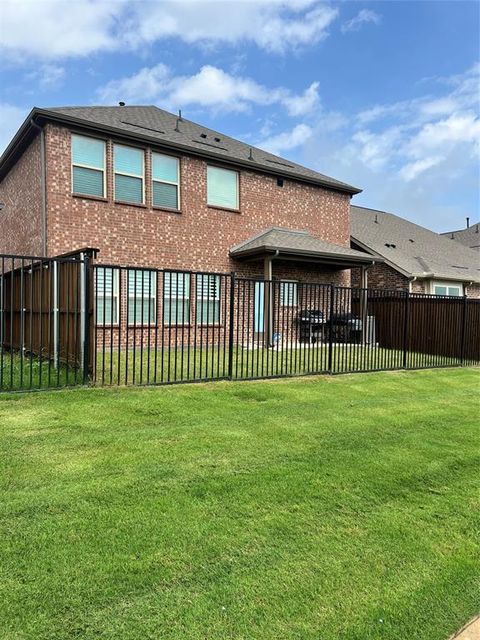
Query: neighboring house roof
(410, 249)
(154, 125)
(297, 244)
(469, 237)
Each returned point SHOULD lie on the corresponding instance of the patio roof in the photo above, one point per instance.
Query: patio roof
(288, 244)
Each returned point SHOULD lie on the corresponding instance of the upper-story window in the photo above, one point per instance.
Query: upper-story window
(222, 188)
(165, 181)
(88, 166)
(129, 174)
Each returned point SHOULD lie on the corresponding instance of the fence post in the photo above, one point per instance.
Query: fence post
(86, 317)
(231, 325)
(464, 331)
(405, 329)
(330, 332)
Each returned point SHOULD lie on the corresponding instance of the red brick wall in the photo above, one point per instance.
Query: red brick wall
(381, 276)
(198, 238)
(21, 192)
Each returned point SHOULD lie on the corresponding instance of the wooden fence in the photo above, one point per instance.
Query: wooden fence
(46, 309)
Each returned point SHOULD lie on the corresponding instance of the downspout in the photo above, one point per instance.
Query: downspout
(410, 281)
(43, 185)
(364, 300)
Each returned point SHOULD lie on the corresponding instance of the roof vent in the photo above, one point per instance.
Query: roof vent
(121, 104)
(410, 240)
(203, 135)
(376, 218)
(217, 139)
(250, 155)
(390, 245)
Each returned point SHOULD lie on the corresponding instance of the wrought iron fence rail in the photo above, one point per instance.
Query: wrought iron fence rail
(68, 321)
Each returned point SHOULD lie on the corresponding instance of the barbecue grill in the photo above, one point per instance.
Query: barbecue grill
(311, 323)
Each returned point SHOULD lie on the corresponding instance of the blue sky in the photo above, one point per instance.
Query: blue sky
(384, 95)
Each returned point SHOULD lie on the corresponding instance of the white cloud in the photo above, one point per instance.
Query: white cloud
(364, 16)
(47, 76)
(210, 88)
(51, 29)
(55, 29)
(417, 157)
(287, 140)
(11, 117)
(410, 171)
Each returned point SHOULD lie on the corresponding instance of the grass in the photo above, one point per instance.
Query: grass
(339, 508)
(149, 366)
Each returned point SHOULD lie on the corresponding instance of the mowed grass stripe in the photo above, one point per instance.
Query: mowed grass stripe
(310, 508)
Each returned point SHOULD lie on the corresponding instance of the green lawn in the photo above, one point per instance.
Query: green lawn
(330, 508)
(150, 366)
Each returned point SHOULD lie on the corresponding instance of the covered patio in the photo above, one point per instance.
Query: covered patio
(281, 253)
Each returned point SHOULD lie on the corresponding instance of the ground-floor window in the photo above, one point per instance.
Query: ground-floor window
(142, 296)
(176, 297)
(106, 289)
(288, 293)
(208, 299)
(447, 289)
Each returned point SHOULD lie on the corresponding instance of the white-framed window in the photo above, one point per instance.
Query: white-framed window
(222, 188)
(176, 297)
(142, 296)
(165, 181)
(208, 299)
(88, 166)
(129, 169)
(288, 293)
(107, 295)
(447, 288)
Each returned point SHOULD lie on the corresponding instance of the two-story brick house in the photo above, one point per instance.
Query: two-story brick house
(147, 187)
(151, 189)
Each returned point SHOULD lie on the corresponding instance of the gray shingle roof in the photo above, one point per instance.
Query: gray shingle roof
(469, 237)
(413, 250)
(296, 243)
(161, 126)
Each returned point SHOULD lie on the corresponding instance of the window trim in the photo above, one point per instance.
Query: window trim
(129, 175)
(219, 206)
(215, 323)
(86, 166)
(115, 294)
(177, 184)
(447, 284)
(283, 304)
(170, 298)
(148, 325)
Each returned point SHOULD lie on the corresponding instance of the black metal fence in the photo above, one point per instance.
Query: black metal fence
(68, 321)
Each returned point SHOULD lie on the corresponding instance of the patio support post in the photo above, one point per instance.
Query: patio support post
(268, 301)
(363, 302)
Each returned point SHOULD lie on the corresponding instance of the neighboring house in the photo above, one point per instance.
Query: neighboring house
(470, 237)
(148, 188)
(413, 258)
